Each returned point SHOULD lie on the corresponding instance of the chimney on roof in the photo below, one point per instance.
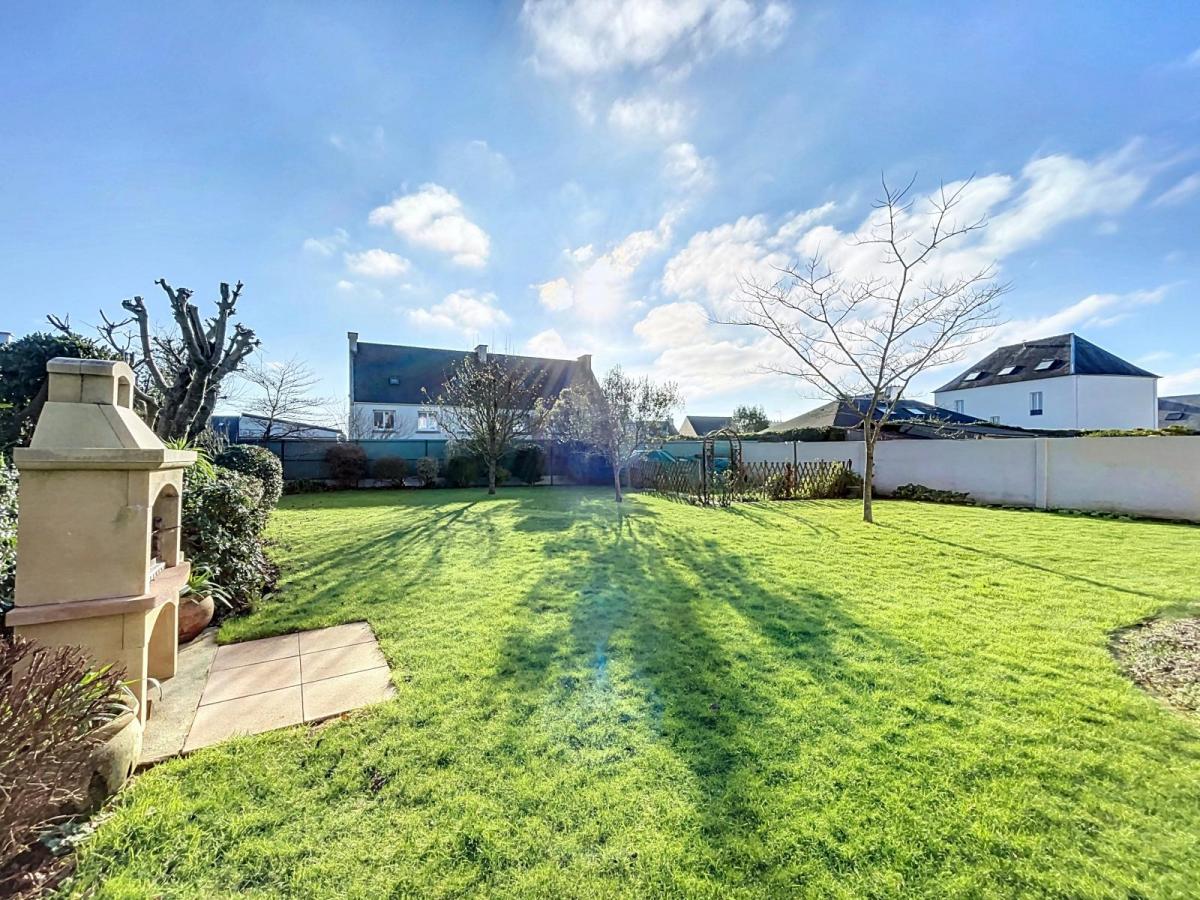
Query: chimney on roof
(585, 363)
(353, 337)
(481, 353)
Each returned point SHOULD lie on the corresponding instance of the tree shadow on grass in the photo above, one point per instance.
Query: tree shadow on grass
(683, 639)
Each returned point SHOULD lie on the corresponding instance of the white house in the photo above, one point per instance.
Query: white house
(391, 385)
(1056, 382)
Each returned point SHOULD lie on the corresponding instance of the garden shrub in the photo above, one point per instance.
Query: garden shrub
(462, 471)
(8, 533)
(259, 462)
(779, 486)
(51, 702)
(391, 469)
(223, 520)
(852, 484)
(930, 495)
(529, 464)
(347, 464)
(427, 470)
(306, 486)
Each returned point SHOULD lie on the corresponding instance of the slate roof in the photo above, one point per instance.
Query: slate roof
(1063, 354)
(849, 414)
(1179, 411)
(374, 368)
(699, 426)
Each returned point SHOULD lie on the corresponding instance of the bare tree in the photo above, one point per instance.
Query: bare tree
(619, 416)
(488, 405)
(281, 396)
(181, 372)
(861, 337)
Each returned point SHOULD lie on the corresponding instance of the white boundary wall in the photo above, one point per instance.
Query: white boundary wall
(1151, 476)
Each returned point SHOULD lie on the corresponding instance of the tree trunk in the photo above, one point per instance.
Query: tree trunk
(491, 476)
(868, 476)
(617, 481)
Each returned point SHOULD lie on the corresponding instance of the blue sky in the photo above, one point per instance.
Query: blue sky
(562, 178)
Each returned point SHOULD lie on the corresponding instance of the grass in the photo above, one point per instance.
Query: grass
(660, 700)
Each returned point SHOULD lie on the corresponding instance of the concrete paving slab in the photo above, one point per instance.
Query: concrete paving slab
(171, 715)
(333, 696)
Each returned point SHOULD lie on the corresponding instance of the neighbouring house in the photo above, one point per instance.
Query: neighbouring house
(249, 427)
(910, 418)
(699, 426)
(1180, 411)
(1060, 382)
(392, 386)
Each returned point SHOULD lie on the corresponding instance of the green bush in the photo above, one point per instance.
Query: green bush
(529, 464)
(462, 471)
(306, 486)
(259, 462)
(779, 486)
(930, 495)
(223, 520)
(391, 469)
(347, 464)
(427, 470)
(23, 372)
(8, 533)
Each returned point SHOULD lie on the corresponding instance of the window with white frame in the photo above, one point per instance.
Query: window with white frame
(384, 420)
(1035, 403)
(960, 406)
(427, 419)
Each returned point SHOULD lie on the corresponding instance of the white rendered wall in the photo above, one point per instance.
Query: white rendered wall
(1011, 402)
(1117, 401)
(1152, 476)
(406, 420)
(1068, 401)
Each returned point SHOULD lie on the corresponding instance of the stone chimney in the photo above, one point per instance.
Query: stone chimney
(353, 338)
(5, 337)
(585, 363)
(481, 353)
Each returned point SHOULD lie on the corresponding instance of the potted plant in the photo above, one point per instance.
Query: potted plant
(197, 602)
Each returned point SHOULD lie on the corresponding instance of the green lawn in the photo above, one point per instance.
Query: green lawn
(773, 700)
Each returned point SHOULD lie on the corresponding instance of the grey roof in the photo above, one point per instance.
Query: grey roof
(1063, 354)
(698, 426)
(849, 414)
(417, 370)
(1182, 411)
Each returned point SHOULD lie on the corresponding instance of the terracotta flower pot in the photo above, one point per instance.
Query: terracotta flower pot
(194, 615)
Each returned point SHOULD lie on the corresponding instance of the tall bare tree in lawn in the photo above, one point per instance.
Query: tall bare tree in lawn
(860, 333)
(490, 404)
(618, 417)
(281, 395)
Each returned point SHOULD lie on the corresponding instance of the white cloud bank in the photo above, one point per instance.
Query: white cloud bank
(377, 264)
(433, 217)
(589, 37)
(468, 312)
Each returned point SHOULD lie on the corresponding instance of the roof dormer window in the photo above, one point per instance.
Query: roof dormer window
(1044, 365)
(1008, 370)
(973, 376)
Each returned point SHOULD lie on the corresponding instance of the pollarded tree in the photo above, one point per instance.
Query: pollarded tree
(181, 371)
(489, 405)
(618, 417)
(860, 334)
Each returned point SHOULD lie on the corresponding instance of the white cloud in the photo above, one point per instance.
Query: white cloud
(686, 168)
(1183, 382)
(1180, 191)
(599, 288)
(377, 264)
(468, 312)
(647, 116)
(582, 254)
(555, 295)
(433, 217)
(587, 37)
(550, 344)
(672, 325)
(1193, 58)
(345, 286)
(327, 246)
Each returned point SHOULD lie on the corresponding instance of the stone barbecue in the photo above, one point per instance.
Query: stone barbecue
(98, 543)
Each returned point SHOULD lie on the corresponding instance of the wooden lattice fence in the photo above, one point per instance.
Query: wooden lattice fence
(688, 480)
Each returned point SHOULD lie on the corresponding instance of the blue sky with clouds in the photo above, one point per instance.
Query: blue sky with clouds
(561, 177)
